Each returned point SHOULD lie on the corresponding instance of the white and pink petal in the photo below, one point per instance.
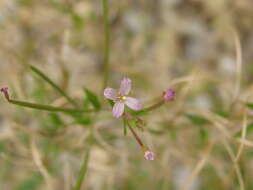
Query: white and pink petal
(118, 109)
(110, 93)
(125, 86)
(133, 103)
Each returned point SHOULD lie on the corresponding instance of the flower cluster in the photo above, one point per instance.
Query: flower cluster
(120, 98)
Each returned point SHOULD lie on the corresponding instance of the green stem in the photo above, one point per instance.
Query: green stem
(138, 139)
(82, 172)
(157, 105)
(43, 107)
(55, 86)
(106, 42)
(124, 126)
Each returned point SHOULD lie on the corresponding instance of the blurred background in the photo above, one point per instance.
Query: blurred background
(202, 139)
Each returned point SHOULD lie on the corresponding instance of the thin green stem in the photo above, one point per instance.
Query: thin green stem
(124, 126)
(157, 105)
(55, 86)
(82, 172)
(135, 135)
(43, 107)
(106, 42)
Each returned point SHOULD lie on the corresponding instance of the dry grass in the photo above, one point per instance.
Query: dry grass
(203, 49)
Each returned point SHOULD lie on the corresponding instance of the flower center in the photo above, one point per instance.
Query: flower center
(121, 98)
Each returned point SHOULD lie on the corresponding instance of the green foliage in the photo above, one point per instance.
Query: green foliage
(77, 20)
(110, 102)
(24, 137)
(156, 132)
(30, 183)
(66, 9)
(199, 121)
(82, 171)
(133, 122)
(55, 119)
(93, 99)
(53, 84)
(250, 106)
(80, 118)
(53, 123)
(139, 113)
(2, 146)
(196, 119)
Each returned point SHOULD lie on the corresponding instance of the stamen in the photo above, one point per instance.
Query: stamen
(121, 98)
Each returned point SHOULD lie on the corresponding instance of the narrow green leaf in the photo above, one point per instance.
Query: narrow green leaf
(203, 134)
(77, 20)
(53, 124)
(133, 122)
(82, 172)
(156, 132)
(83, 121)
(141, 112)
(250, 106)
(79, 118)
(55, 86)
(92, 99)
(199, 121)
(110, 102)
(196, 119)
(55, 119)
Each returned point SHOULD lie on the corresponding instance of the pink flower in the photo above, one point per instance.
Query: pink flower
(5, 92)
(169, 94)
(121, 99)
(149, 155)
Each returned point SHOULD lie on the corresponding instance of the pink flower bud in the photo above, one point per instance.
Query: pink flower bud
(5, 92)
(149, 155)
(169, 94)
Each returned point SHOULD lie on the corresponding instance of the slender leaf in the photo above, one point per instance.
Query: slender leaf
(92, 99)
(55, 86)
(196, 119)
(110, 102)
(199, 121)
(55, 119)
(79, 118)
(250, 105)
(141, 112)
(133, 122)
(82, 172)
(53, 124)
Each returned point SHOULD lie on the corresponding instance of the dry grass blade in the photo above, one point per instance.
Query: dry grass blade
(38, 162)
(238, 65)
(236, 166)
(244, 131)
(195, 172)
